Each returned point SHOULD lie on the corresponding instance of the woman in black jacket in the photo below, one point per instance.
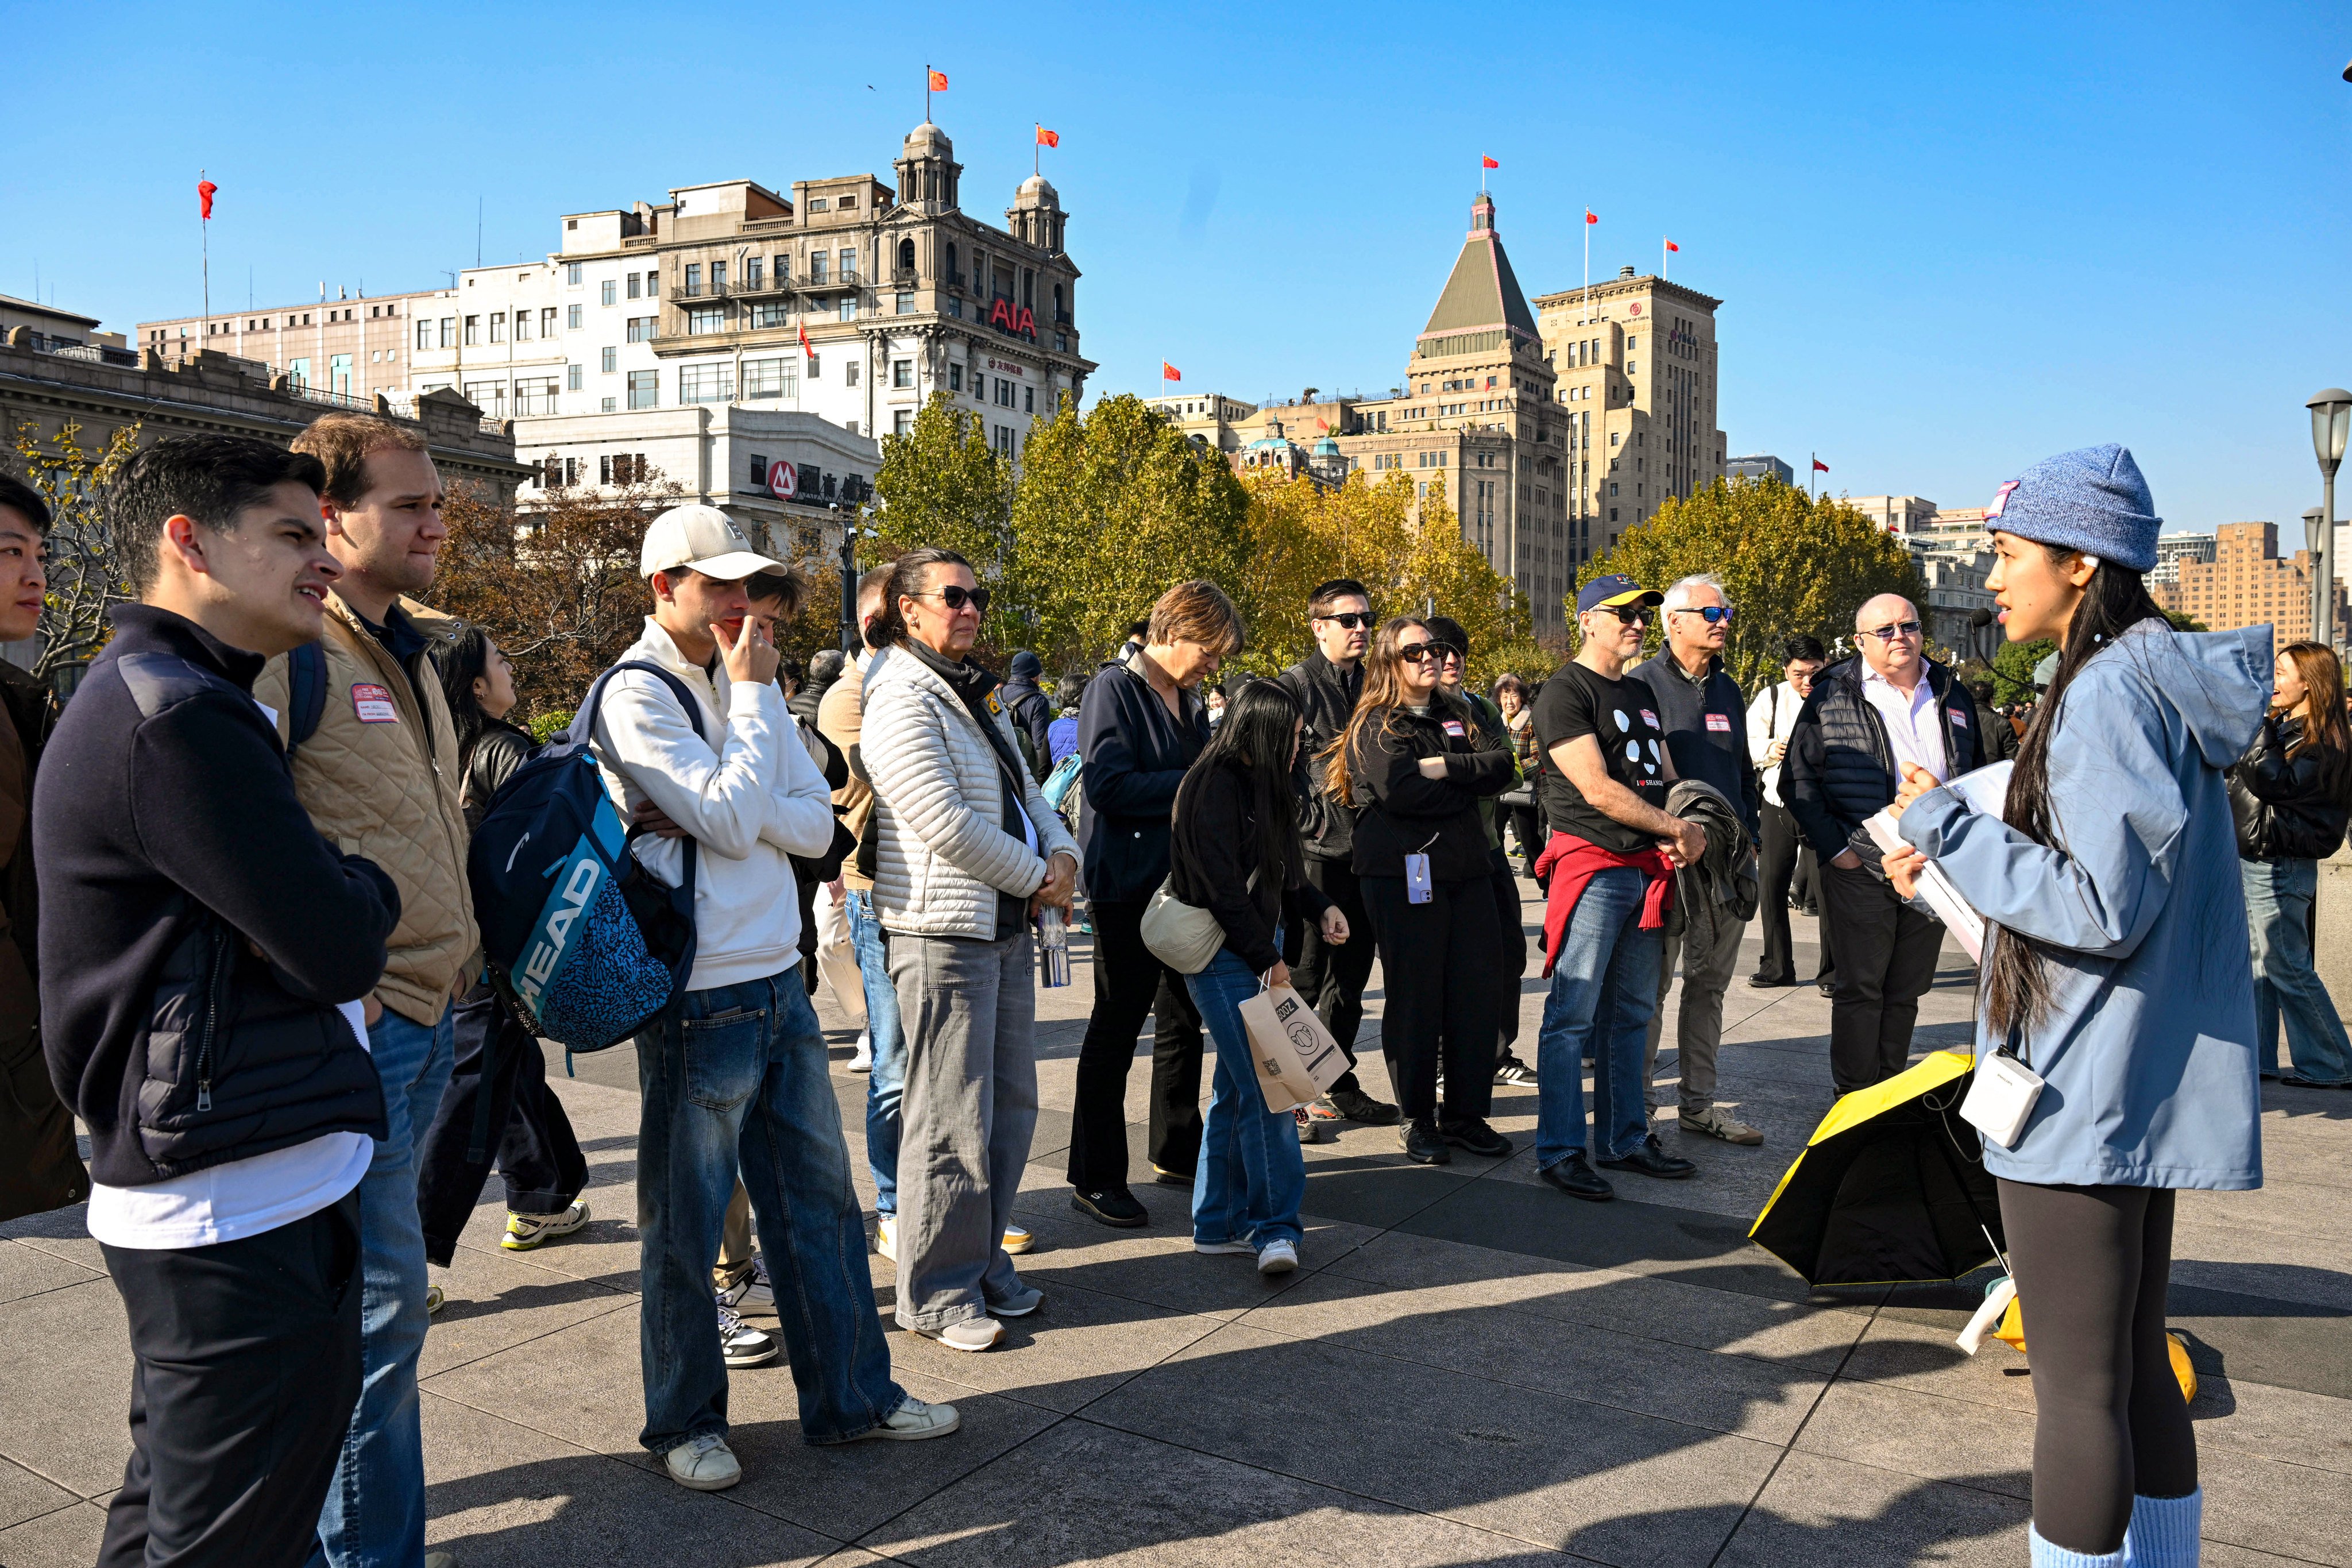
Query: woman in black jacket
(2289, 793)
(1408, 764)
(1234, 852)
(523, 1124)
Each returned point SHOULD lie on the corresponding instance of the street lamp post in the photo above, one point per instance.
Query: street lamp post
(2331, 421)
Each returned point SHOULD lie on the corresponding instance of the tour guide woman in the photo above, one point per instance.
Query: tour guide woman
(1408, 766)
(1234, 852)
(2117, 974)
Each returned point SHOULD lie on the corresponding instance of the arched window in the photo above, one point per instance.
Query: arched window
(907, 254)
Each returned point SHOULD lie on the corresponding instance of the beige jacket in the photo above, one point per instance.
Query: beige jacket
(383, 782)
(840, 717)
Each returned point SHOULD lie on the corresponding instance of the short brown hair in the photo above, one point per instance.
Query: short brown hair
(344, 442)
(1197, 611)
(784, 586)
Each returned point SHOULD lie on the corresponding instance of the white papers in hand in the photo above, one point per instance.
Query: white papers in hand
(1985, 790)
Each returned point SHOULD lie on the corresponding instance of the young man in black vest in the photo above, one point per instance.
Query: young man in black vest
(203, 951)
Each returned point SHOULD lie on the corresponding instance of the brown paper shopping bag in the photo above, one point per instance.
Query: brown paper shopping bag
(1296, 1057)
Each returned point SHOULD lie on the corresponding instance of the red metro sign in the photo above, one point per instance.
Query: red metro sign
(1012, 318)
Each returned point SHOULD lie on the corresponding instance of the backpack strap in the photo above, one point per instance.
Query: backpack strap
(306, 692)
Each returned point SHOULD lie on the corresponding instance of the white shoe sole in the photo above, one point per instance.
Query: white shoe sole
(718, 1484)
(1015, 1248)
(946, 1344)
(1278, 1265)
(1224, 1249)
(997, 1311)
(885, 1433)
(738, 1365)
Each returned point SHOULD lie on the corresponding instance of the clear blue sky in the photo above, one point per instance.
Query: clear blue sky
(1950, 239)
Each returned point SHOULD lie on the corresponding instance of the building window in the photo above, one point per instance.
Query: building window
(783, 269)
(713, 381)
(693, 278)
(902, 373)
(848, 308)
(612, 361)
(707, 319)
(575, 377)
(449, 332)
(535, 395)
(769, 378)
(547, 320)
(299, 370)
(611, 289)
(1004, 441)
(571, 274)
(848, 264)
(641, 329)
(955, 377)
(633, 286)
(816, 265)
(813, 368)
(521, 327)
(1028, 400)
(759, 471)
(849, 372)
(719, 278)
(572, 320)
(906, 304)
(901, 421)
(766, 313)
(608, 405)
(498, 327)
(751, 272)
(645, 389)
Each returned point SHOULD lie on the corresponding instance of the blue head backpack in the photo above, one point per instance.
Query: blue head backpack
(588, 947)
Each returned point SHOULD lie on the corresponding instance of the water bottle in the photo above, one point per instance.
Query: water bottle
(1053, 945)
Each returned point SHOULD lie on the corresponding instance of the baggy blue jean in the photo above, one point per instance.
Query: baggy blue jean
(1604, 989)
(739, 1081)
(2287, 987)
(375, 1512)
(885, 1086)
(1251, 1178)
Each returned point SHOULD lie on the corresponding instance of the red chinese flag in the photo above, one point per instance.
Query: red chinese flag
(205, 189)
(804, 342)
(1486, 163)
(1819, 467)
(1048, 138)
(1170, 372)
(1588, 217)
(938, 81)
(1672, 246)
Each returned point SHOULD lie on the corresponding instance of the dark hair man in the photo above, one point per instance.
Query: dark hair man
(380, 775)
(1031, 712)
(197, 935)
(1325, 685)
(1787, 859)
(38, 1167)
(1867, 718)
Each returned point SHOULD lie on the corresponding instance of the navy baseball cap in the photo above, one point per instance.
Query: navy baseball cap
(1609, 591)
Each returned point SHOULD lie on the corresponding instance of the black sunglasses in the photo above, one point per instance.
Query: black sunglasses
(1416, 653)
(1712, 613)
(1889, 632)
(955, 596)
(1350, 620)
(1631, 615)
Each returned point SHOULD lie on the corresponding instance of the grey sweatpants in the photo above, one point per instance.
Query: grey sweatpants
(970, 1011)
(1698, 1023)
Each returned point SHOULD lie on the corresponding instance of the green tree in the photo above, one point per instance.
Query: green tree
(85, 573)
(942, 486)
(2012, 670)
(1788, 563)
(2182, 621)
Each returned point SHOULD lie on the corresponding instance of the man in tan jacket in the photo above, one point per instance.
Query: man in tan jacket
(380, 777)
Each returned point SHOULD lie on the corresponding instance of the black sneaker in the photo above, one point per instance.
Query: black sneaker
(1357, 1106)
(1171, 1178)
(1763, 982)
(1651, 1159)
(1509, 1070)
(1472, 1134)
(1576, 1177)
(1423, 1144)
(1114, 1206)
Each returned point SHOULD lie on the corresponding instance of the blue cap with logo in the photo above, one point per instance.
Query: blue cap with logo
(1615, 590)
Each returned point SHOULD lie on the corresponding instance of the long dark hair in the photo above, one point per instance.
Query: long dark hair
(2017, 981)
(1259, 730)
(1383, 694)
(461, 658)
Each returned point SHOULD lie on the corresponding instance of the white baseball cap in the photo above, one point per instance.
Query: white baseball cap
(702, 538)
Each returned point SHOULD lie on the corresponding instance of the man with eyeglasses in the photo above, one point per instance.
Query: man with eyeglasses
(1867, 719)
(1325, 685)
(1706, 736)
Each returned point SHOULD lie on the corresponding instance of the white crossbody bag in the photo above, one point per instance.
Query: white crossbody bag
(2001, 1096)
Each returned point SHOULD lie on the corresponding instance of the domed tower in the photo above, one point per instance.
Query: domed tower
(1035, 216)
(927, 172)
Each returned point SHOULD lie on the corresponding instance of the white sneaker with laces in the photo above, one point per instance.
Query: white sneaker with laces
(752, 1293)
(703, 1464)
(525, 1231)
(915, 1421)
(1277, 1258)
(862, 1059)
(972, 1334)
(741, 1344)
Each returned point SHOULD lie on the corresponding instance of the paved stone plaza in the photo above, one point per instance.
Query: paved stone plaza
(1467, 1368)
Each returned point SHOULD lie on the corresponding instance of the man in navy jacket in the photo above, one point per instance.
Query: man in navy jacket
(197, 937)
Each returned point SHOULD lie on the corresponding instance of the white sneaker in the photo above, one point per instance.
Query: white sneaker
(1017, 1240)
(1223, 1249)
(916, 1421)
(752, 1293)
(1020, 1304)
(741, 1344)
(1277, 1258)
(972, 1334)
(704, 1464)
(885, 1236)
(525, 1231)
(862, 1059)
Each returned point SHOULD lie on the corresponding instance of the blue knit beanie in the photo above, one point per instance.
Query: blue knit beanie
(2094, 501)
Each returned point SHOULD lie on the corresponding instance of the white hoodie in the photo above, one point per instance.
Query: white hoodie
(744, 789)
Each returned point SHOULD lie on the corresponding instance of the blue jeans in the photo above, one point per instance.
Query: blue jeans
(2279, 895)
(886, 1085)
(1251, 1179)
(1604, 990)
(740, 1080)
(374, 1513)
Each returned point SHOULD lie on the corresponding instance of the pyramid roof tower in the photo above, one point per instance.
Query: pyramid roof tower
(1483, 295)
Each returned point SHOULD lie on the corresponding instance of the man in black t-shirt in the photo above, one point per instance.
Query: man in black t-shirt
(1604, 792)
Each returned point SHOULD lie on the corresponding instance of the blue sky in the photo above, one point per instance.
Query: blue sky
(1950, 239)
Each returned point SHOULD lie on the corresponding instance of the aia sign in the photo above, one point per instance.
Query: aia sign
(1012, 318)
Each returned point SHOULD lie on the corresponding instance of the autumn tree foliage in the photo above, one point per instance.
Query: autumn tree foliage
(85, 573)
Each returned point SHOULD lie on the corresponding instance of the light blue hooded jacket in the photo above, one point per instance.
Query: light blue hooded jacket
(2148, 1051)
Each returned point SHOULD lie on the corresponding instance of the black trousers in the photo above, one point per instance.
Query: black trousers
(246, 1367)
(1784, 850)
(1886, 961)
(1437, 967)
(1129, 983)
(1523, 821)
(1333, 978)
(530, 1136)
(2091, 1264)
(1510, 955)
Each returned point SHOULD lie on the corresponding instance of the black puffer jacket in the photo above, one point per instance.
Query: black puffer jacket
(1400, 812)
(1840, 767)
(2285, 806)
(1326, 696)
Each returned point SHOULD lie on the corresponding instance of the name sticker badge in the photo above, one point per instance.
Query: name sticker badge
(1649, 717)
(1959, 718)
(1718, 722)
(374, 704)
(1416, 879)
(1454, 728)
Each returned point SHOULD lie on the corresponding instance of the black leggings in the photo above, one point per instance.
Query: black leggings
(2091, 1265)
(1437, 963)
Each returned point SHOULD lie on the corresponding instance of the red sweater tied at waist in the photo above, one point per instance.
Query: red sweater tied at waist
(1570, 862)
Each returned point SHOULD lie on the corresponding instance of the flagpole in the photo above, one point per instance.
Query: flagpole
(205, 226)
(1812, 467)
(1588, 266)
(926, 92)
(1663, 276)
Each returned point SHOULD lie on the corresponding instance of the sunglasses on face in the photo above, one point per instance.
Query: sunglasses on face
(1714, 615)
(955, 597)
(1631, 615)
(1417, 652)
(1349, 621)
(1895, 630)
